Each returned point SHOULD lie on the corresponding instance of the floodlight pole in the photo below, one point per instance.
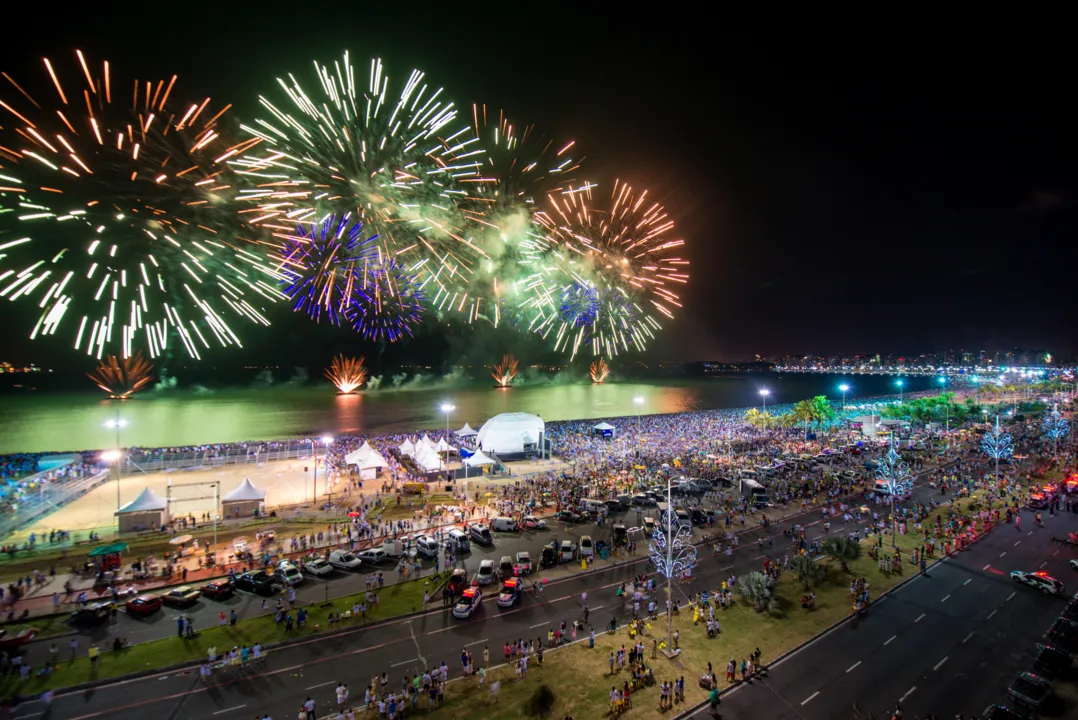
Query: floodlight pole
(669, 570)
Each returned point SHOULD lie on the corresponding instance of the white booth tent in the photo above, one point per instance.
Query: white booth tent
(427, 459)
(367, 460)
(425, 440)
(477, 460)
(605, 429)
(148, 510)
(509, 433)
(444, 447)
(407, 448)
(243, 501)
(466, 431)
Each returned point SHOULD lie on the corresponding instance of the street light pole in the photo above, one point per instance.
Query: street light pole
(844, 388)
(669, 569)
(638, 401)
(900, 397)
(764, 392)
(326, 440)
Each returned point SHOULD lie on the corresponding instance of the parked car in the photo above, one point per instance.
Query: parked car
(533, 523)
(289, 574)
(344, 560)
(374, 556)
(567, 551)
(469, 600)
(1001, 712)
(549, 555)
(317, 566)
(1038, 579)
(143, 605)
(587, 547)
(182, 597)
(505, 567)
(1030, 690)
(481, 535)
(258, 581)
(10, 641)
(524, 562)
(457, 582)
(570, 516)
(218, 589)
(485, 574)
(92, 614)
(1063, 634)
(1051, 662)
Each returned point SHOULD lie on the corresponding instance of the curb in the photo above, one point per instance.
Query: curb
(688, 714)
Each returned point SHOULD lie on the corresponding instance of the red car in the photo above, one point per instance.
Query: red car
(10, 641)
(218, 589)
(143, 605)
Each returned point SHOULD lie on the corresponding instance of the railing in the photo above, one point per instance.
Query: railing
(136, 462)
(35, 505)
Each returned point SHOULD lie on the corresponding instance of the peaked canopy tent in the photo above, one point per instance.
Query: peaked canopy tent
(148, 510)
(244, 500)
(511, 433)
(605, 429)
(367, 460)
(477, 459)
(466, 431)
(427, 459)
(407, 448)
(444, 447)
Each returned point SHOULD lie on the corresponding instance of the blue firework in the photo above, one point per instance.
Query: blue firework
(386, 301)
(321, 264)
(579, 305)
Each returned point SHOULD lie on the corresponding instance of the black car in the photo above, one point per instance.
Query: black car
(1051, 662)
(699, 517)
(1071, 611)
(259, 582)
(549, 555)
(571, 516)
(1063, 635)
(1001, 712)
(92, 614)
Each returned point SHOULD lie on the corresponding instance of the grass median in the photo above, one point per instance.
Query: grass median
(580, 676)
(394, 600)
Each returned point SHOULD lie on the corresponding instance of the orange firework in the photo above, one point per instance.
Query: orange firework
(347, 373)
(122, 377)
(505, 371)
(599, 371)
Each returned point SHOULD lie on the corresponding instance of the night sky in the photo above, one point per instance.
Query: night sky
(858, 190)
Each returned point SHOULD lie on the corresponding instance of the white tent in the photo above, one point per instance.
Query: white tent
(242, 501)
(465, 431)
(367, 460)
(425, 440)
(444, 447)
(148, 510)
(407, 448)
(478, 459)
(509, 433)
(427, 459)
(603, 426)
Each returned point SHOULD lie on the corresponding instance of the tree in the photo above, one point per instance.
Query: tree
(822, 410)
(806, 570)
(842, 550)
(759, 589)
(754, 418)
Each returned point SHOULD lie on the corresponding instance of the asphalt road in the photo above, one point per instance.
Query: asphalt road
(397, 647)
(948, 643)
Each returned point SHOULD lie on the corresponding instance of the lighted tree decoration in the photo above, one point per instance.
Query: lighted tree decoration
(599, 371)
(674, 556)
(997, 445)
(1056, 428)
(895, 471)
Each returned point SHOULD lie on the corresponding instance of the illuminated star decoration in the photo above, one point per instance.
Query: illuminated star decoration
(997, 445)
(895, 471)
(682, 555)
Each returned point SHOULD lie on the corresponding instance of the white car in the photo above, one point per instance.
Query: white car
(485, 574)
(587, 547)
(524, 562)
(374, 556)
(289, 573)
(1039, 580)
(317, 566)
(344, 560)
(533, 523)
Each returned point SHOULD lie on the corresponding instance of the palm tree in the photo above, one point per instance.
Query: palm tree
(842, 550)
(753, 418)
(807, 571)
(759, 589)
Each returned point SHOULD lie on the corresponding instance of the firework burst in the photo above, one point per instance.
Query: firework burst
(115, 206)
(599, 371)
(618, 268)
(387, 301)
(347, 374)
(122, 377)
(393, 155)
(505, 371)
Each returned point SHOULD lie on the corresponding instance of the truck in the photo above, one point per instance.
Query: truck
(754, 492)
(394, 548)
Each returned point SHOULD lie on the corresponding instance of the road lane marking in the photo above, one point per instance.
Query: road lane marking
(1017, 543)
(222, 712)
(1042, 564)
(1055, 553)
(945, 598)
(596, 608)
(1010, 596)
(806, 700)
(991, 614)
(968, 637)
(1003, 553)
(922, 617)
(312, 687)
(482, 641)
(852, 667)
(406, 662)
(890, 641)
(542, 624)
(908, 693)
(1029, 533)
(967, 582)
(987, 566)
(937, 666)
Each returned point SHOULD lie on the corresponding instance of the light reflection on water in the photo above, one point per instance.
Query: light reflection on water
(76, 421)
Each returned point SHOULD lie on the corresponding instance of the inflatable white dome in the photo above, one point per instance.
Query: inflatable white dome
(509, 433)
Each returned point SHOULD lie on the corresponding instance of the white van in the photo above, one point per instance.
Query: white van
(504, 524)
(458, 541)
(481, 534)
(587, 547)
(426, 547)
(594, 506)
